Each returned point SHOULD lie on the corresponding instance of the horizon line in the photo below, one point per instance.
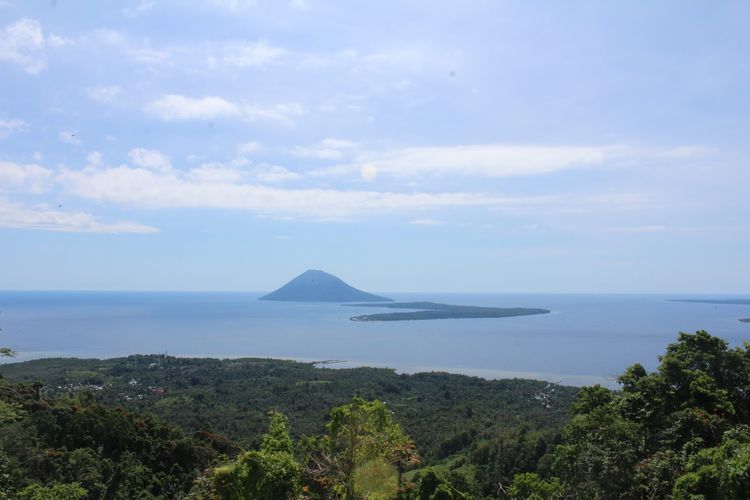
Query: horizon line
(113, 290)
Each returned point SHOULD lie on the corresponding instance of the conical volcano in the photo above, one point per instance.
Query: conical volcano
(319, 286)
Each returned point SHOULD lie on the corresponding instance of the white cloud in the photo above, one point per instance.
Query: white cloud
(282, 113)
(8, 127)
(215, 187)
(141, 8)
(69, 137)
(426, 222)
(213, 173)
(179, 107)
(245, 55)
(368, 172)
(57, 41)
(104, 94)
(147, 55)
(150, 158)
(109, 37)
(94, 158)
(240, 170)
(247, 148)
(30, 178)
(337, 143)
(14, 215)
(326, 149)
(22, 43)
(490, 160)
(139, 50)
(274, 173)
(684, 152)
(235, 5)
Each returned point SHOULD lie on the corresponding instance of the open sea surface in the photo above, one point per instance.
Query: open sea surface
(586, 339)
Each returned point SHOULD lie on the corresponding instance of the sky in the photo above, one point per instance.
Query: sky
(481, 146)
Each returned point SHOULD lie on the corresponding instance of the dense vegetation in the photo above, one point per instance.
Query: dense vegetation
(682, 431)
(72, 447)
(434, 310)
(441, 412)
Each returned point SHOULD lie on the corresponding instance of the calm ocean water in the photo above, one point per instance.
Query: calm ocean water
(586, 338)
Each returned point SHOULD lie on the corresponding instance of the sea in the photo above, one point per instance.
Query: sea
(586, 339)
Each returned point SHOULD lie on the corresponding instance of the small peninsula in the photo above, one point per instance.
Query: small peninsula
(739, 302)
(318, 286)
(434, 310)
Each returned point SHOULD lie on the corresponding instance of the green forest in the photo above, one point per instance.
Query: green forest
(146, 427)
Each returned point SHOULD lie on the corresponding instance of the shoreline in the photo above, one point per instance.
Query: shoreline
(575, 380)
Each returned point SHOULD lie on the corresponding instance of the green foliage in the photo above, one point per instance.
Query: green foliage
(107, 451)
(376, 480)
(529, 486)
(722, 472)
(231, 397)
(72, 491)
(494, 428)
(277, 439)
(590, 399)
(362, 431)
(258, 474)
(679, 430)
(6, 483)
(433, 486)
(360, 435)
(271, 472)
(599, 453)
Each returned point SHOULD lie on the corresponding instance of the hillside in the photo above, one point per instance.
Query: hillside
(233, 396)
(82, 429)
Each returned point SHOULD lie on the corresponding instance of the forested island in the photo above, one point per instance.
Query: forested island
(739, 302)
(153, 427)
(434, 310)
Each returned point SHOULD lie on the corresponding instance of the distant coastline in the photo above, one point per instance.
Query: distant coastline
(434, 310)
(739, 302)
(736, 302)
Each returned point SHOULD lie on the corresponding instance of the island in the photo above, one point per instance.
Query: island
(318, 286)
(434, 310)
(745, 320)
(739, 302)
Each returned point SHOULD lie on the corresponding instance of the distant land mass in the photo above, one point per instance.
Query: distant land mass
(739, 302)
(745, 320)
(434, 310)
(319, 286)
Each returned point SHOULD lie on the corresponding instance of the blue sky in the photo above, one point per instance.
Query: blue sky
(409, 146)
